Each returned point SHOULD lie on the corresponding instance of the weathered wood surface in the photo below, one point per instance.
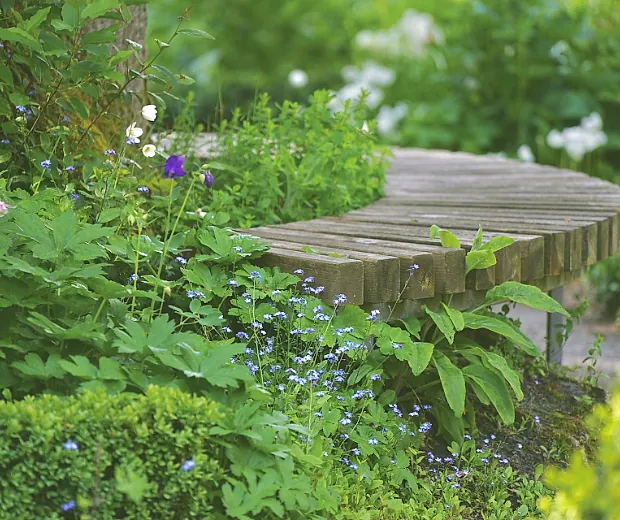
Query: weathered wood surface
(562, 223)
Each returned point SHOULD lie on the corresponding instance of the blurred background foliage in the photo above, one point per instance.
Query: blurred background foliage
(497, 75)
(514, 77)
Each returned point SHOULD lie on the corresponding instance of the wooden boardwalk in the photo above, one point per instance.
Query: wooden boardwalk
(562, 222)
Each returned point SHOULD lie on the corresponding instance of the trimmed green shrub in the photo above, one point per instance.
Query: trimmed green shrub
(128, 456)
(115, 457)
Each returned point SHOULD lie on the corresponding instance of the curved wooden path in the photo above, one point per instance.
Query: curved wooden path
(562, 222)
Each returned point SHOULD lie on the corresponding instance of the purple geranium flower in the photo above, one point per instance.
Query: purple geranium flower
(174, 167)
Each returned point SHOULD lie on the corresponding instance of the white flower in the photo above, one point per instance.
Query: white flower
(592, 123)
(575, 142)
(148, 150)
(134, 132)
(388, 117)
(365, 127)
(298, 78)
(555, 139)
(374, 74)
(149, 112)
(525, 154)
(418, 30)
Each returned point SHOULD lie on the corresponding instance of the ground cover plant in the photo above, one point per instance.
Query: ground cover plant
(143, 353)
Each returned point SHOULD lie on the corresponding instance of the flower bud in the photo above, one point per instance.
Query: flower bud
(207, 178)
(167, 291)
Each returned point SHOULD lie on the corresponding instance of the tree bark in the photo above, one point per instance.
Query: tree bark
(134, 31)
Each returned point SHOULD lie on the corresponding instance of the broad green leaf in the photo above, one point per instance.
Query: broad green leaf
(70, 16)
(449, 425)
(446, 238)
(80, 366)
(480, 393)
(184, 79)
(421, 355)
(495, 388)
(452, 382)
(6, 77)
(455, 316)
(499, 363)
(196, 32)
(412, 325)
(479, 260)
(107, 288)
(111, 369)
(18, 35)
(396, 342)
(80, 107)
(525, 294)
(443, 322)
(97, 8)
(64, 228)
(33, 366)
(35, 20)
(497, 243)
(107, 35)
(494, 324)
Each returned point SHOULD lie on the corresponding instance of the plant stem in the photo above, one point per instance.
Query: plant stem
(168, 238)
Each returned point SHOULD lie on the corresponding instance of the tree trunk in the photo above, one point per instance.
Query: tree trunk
(136, 32)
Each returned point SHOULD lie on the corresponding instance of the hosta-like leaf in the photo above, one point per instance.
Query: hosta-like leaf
(497, 243)
(455, 316)
(443, 322)
(497, 362)
(446, 238)
(495, 388)
(525, 294)
(420, 357)
(478, 321)
(452, 381)
(479, 260)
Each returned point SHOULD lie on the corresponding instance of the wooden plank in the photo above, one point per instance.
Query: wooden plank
(434, 265)
(614, 234)
(508, 259)
(503, 202)
(337, 275)
(381, 273)
(534, 263)
(522, 220)
(605, 231)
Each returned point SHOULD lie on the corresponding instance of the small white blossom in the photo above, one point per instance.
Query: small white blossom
(555, 139)
(525, 154)
(592, 123)
(148, 150)
(149, 112)
(134, 132)
(298, 78)
(389, 117)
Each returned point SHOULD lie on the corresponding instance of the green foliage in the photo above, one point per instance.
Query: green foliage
(295, 164)
(62, 85)
(590, 488)
(109, 454)
(606, 278)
